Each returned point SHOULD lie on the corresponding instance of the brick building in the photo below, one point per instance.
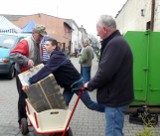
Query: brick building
(65, 31)
(56, 27)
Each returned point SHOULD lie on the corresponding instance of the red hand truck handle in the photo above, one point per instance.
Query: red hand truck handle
(74, 108)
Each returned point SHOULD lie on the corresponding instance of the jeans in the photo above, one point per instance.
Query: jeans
(115, 120)
(86, 73)
(68, 94)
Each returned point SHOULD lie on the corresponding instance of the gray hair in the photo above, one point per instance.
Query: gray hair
(106, 20)
(87, 40)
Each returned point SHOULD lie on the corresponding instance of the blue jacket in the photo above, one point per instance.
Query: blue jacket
(64, 71)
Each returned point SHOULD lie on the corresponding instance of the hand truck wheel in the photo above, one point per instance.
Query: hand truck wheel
(24, 126)
(69, 132)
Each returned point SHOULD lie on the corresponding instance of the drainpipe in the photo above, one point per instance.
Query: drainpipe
(152, 15)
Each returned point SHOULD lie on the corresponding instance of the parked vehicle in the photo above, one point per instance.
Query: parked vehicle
(7, 42)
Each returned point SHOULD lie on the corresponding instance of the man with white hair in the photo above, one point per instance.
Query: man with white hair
(114, 77)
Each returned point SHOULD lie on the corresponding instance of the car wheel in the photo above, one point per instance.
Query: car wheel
(11, 73)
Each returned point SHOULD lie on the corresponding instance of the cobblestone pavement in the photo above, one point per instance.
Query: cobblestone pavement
(84, 122)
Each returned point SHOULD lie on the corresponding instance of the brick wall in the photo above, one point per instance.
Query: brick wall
(55, 26)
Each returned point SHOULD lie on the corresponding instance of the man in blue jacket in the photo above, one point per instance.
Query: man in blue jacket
(114, 77)
(65, 74)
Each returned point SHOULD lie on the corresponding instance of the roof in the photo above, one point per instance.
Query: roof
(28, 27)
(7, 26)
(12, 17)
(121, 9)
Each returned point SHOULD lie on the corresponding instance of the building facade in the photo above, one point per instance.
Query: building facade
(65, 31)
(55, 27)
(138, 15)
(75, 34)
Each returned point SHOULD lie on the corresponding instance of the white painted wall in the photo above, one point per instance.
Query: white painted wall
(75, 38)
(130, 19)
(157, 16)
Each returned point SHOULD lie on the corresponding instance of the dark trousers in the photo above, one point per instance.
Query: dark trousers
(21, 100)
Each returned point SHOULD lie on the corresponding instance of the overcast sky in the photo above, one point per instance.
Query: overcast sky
(83, 12)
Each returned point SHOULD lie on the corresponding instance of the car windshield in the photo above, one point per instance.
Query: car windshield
(7, 41)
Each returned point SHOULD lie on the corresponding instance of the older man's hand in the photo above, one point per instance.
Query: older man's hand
(30, 63)
(86, 85)
(25, 88)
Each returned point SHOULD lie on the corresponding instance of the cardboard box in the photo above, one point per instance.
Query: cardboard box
(46, 93)
(24, 76)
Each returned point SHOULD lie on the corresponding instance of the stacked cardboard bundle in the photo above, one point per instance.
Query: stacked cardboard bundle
(45, 94)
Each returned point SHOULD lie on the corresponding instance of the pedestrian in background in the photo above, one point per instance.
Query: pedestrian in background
(26, 54)
(85, 60)
(44, 55)
(114, 77)
(65, 74)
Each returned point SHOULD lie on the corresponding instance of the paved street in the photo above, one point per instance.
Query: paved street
(84, 122)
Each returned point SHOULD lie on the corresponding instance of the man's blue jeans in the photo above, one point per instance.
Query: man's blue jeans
(86, 73)
(68, 94)
(115, 120)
